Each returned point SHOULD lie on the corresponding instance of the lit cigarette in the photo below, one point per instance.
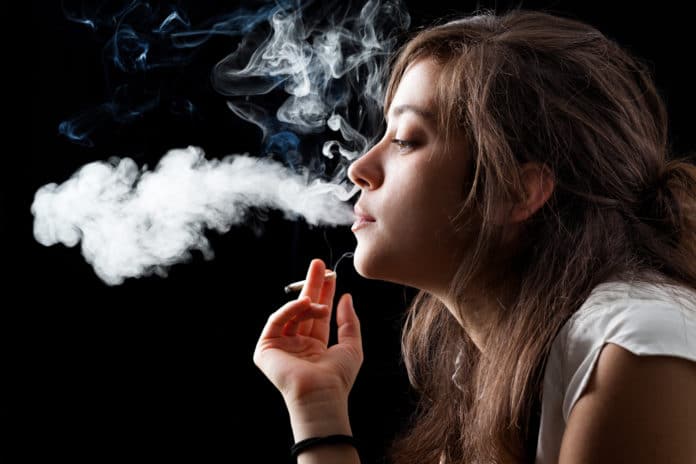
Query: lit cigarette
(297, 286)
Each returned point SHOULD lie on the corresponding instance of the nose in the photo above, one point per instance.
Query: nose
(366, 172)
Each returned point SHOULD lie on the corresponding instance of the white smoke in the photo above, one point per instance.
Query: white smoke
(134, 222)
(323, 65)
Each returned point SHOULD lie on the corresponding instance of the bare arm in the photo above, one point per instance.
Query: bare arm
(321, 416)
(636, 409)
(314, 378)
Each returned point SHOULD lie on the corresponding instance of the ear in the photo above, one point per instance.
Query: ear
(538, 182)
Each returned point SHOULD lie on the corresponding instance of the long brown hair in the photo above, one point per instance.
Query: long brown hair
(534, 87)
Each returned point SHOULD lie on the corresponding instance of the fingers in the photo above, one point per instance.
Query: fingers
(312, 287)
(316, 288)
(321, 326)
(348, 324)
(315, 280)
(291, 311)
(328, 289)
(314, 312)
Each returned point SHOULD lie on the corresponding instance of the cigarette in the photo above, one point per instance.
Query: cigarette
(297, 286)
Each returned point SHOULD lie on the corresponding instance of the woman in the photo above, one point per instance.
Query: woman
(523, 185)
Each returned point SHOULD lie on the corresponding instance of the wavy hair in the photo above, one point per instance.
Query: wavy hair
(530, 86)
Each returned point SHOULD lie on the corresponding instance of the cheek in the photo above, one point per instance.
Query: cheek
(420, 205)
(396, 244)
(414, 228)
(387, 246)
(427, 207)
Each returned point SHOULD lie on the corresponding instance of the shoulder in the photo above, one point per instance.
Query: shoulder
(645, 320)
(629, 373)
(637, 409)
(642, 322)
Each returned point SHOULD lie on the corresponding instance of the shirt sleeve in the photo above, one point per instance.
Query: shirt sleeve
(644, 327)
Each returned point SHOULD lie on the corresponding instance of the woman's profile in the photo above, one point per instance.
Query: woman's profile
(525, 185)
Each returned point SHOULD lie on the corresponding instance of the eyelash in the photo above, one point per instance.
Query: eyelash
(403, 144)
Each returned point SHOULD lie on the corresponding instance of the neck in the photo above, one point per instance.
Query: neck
(476, 312)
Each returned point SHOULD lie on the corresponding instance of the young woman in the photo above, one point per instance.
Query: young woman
(524, 185)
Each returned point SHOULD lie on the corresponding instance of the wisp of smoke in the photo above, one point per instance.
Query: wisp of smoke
(134, 223)
(329, 64)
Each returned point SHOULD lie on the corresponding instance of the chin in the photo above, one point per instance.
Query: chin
(365, 262)
(371, 265)
(362, 264)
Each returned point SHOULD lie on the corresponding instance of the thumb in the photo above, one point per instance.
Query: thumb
(348, 324)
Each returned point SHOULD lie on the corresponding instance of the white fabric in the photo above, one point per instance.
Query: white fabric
(644, 319)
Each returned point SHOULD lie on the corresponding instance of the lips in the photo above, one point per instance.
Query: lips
(361, 214)
(362, 219)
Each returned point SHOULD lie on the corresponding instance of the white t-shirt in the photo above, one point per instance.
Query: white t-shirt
(644, 319)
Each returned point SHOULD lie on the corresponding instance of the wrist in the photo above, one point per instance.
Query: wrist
(318, 416)
(316, 442)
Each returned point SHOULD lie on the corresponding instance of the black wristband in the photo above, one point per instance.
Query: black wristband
(302, 445)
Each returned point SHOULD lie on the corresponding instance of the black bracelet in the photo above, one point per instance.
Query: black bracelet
(302, 445)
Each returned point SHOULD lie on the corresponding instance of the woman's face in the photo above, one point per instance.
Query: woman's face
(412, 191)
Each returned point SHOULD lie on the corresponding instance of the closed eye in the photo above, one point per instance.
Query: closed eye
(403, 144)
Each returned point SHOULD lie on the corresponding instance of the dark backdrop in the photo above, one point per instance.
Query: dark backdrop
(162, 368)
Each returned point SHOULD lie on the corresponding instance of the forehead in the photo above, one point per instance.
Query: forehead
(417, 86)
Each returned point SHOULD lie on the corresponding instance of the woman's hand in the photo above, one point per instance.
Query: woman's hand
(293, 349)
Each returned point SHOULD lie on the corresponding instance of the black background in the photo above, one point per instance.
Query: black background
(162, 368)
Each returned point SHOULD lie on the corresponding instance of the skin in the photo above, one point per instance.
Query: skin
(412, 191)
(635, 409)
(313, 378)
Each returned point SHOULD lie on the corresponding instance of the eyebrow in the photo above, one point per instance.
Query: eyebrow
(423, 113)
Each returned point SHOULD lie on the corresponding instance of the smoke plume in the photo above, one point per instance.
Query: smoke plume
(133, 223)
(308, 76)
